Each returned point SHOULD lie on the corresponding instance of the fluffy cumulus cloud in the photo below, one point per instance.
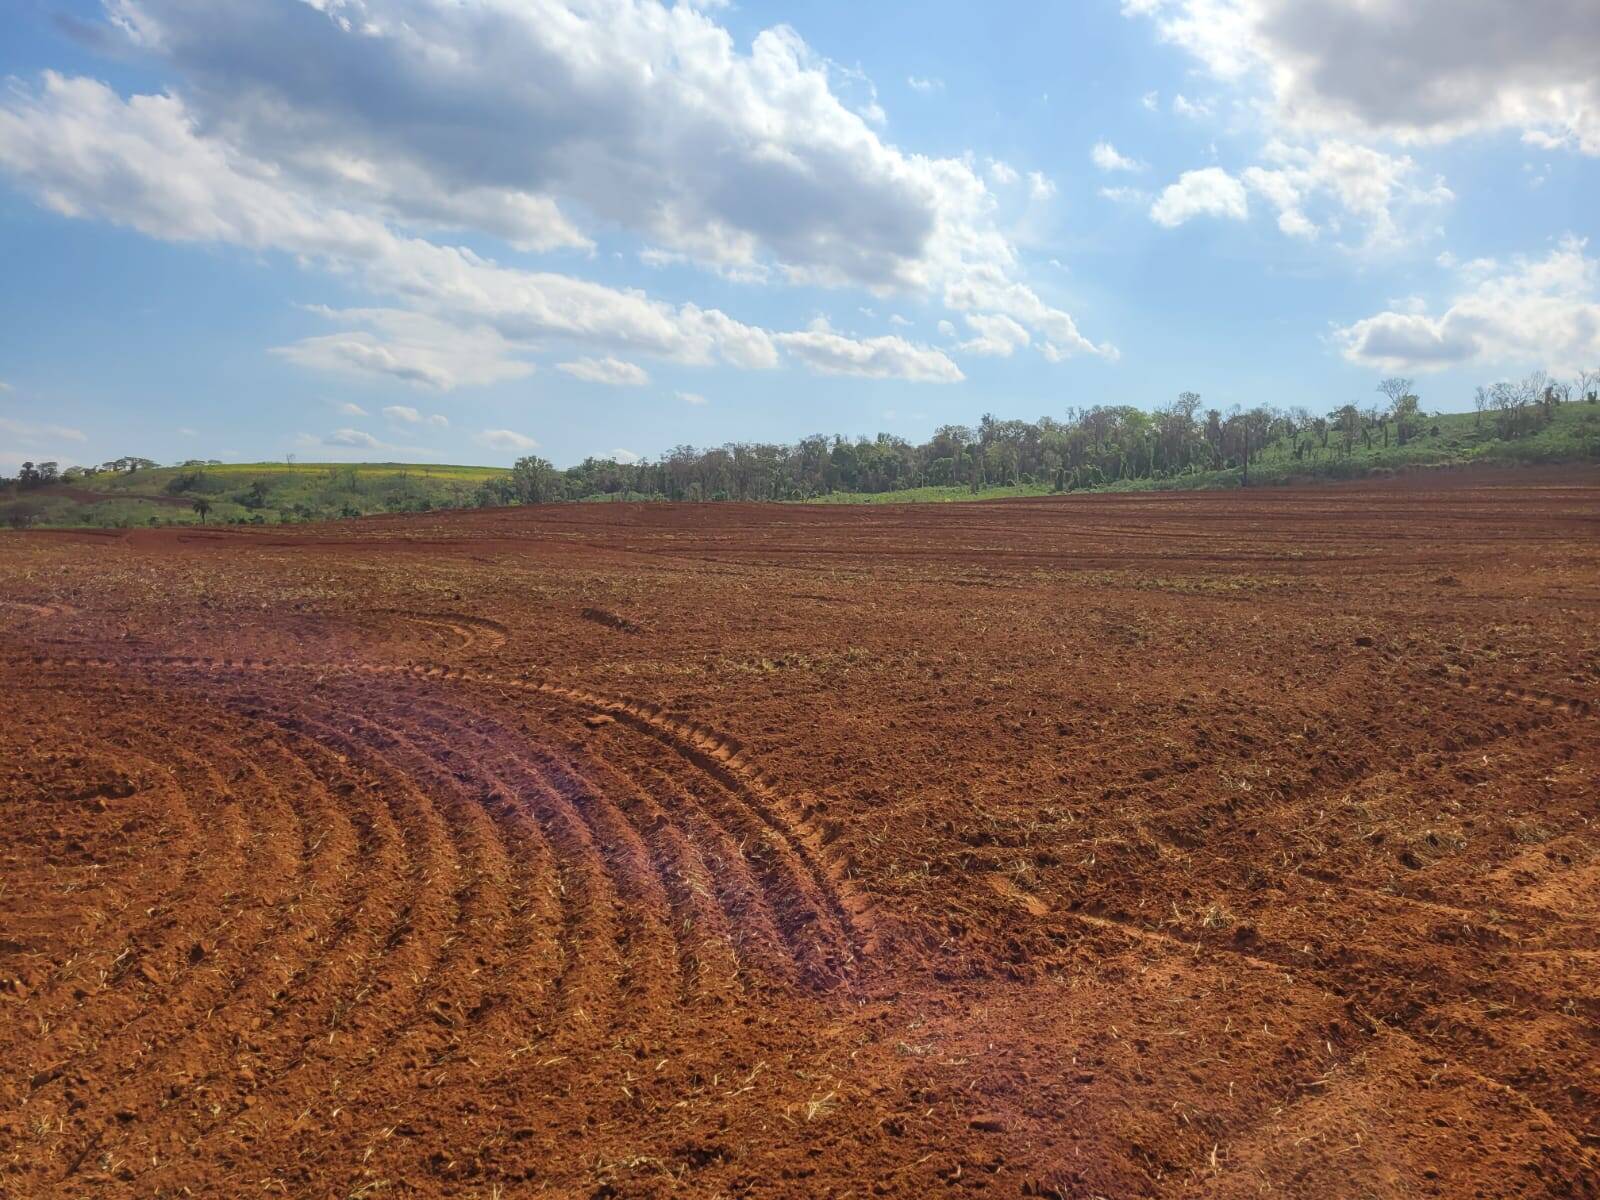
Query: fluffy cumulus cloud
(1534, 312)
(1414, 70)
(889, 357)
(506, 440)
(1107, 157)
(1208, 192)
(1369, 199)
(613, 371)
(144, 163)
(1382, 194)
(997, 335)
(535, 103)
(325, 129)
(1003, 173)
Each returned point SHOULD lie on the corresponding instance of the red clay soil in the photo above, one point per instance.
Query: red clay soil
(1204, 845)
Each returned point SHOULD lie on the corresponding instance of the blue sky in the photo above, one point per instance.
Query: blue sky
(413, 229)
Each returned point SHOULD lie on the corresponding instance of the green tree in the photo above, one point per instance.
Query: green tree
(534, 481)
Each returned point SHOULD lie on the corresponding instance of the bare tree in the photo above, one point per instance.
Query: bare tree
(1395, 388)
(1403, 405)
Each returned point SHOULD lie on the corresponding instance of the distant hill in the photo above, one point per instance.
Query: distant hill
(252, 493)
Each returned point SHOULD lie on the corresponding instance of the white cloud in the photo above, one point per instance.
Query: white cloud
(142, 163)
(351, 444)
(643, 115)
(608, 370)
(505, 439)
(349, 409)
(521, 120)
(888, 357)
(1539, 313)
(693, 398)
(406, 414)
(354, 439)
(1377, 189)
(924, 85)
(1208, 192)
(947, 329)
(997, 335)
(1151, 100)
(1417, 70)
(1106, 157)
(6, 387)
(1039, 186)
(637, 114)
(897, 319)
(991, 292)
(745, 272)
(414, 347)
(1002, 173)
(625, 457)
(1548, 141)
(31, 434)
(1193, 109)
(1126, 195)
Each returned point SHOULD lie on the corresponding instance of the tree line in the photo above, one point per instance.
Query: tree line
(1087, 447)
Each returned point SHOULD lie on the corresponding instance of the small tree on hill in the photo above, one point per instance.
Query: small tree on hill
(1404, 407)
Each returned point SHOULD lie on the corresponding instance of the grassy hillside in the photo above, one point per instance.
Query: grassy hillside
(256, 493)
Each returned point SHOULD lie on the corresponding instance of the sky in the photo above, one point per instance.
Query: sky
(470, 230)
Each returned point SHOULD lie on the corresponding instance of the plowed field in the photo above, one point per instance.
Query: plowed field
(1207, 845)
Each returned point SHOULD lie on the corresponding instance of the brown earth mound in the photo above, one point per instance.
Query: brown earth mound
(1173, 845)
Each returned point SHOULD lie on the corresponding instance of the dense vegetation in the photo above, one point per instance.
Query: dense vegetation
(138, 492)
(1181, 444)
